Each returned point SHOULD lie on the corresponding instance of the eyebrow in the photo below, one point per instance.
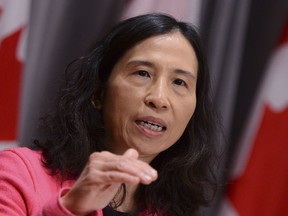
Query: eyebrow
(186, 73)
(150, 64)
(141, 62)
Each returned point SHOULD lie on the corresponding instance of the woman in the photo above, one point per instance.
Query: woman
(127, 137)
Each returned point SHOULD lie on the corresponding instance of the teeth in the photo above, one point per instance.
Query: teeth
(151, 126)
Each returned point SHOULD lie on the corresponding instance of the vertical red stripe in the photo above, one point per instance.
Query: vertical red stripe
(262, 189)
(10, 76)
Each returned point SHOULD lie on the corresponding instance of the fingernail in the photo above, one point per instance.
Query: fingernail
(153, 172)
(146, 177)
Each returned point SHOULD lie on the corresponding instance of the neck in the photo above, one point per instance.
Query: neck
(128, 204)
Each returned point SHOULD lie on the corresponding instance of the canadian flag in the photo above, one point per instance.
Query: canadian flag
(259, 184)
(13, 33)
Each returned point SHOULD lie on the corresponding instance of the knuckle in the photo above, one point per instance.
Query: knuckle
(106, 153)
(97, 155)
(110, 177)
(121, 164)
(94, 155)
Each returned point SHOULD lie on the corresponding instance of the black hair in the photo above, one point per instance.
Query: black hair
(75, 130)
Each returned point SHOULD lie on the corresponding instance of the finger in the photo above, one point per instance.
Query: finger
(127, 166)
(100, 178)
(113, 177)
(126, 163)
(148, 173)
(135, 167)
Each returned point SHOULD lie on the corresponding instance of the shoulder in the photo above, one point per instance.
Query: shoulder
(21, 163)
(20, 151)
(19, 155)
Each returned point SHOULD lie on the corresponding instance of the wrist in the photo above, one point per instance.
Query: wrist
(67, 203)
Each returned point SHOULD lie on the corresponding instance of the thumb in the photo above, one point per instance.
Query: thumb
(131, 153)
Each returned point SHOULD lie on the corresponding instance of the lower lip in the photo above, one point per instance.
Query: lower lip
(149, 133)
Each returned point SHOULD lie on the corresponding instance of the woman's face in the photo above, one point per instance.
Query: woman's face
(151, 95)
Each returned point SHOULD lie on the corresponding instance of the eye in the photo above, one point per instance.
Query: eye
(179, 82)
(143, 73)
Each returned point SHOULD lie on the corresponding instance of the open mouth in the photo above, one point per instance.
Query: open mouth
(151, 125)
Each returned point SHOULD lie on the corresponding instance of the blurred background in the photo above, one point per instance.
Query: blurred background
(246, 42)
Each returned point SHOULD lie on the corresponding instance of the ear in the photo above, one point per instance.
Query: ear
(96, 103)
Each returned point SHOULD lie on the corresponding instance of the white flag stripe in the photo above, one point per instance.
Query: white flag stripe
(275, 86)
(7, 144)
(227, 209)
(14, 16)
(22, 44)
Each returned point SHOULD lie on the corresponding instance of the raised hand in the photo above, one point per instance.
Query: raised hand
(102, 177)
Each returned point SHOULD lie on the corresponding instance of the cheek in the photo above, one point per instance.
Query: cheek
(119, 103)
(192, 109)
(123, 97)
(114, 92)
(186, 111)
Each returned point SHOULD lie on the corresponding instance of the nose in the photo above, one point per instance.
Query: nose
(157, 96)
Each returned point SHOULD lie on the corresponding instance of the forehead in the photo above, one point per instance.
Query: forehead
(170, 40)
(169, 49)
